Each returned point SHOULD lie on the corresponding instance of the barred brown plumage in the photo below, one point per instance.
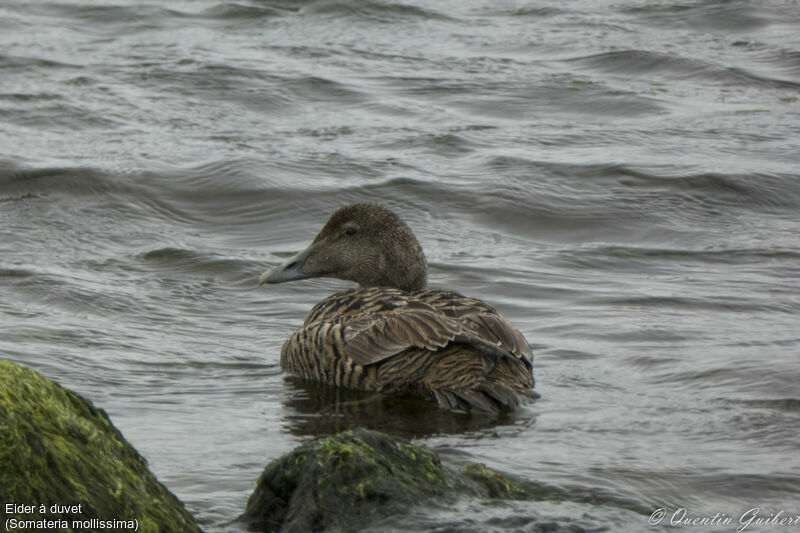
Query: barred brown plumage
(392, 334)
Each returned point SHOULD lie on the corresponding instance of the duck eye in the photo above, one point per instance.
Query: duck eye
(350, 231)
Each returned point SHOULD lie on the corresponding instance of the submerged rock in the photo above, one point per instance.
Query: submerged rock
(349, 480)
(64, 466)
(343, 481)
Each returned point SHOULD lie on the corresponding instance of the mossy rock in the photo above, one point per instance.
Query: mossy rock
(343, 481)
(349, 480)
(56, 448)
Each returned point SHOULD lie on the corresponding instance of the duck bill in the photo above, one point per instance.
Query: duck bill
(290, 270)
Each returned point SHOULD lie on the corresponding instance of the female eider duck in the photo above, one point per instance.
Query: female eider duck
(393, 335)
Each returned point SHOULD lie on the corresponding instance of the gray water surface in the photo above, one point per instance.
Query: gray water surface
(620, 179)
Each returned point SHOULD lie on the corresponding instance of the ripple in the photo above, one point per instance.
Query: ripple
(729, 17)
(789, 405)
(388, 13)
(237, 11)
(11, 63)
(638, 63)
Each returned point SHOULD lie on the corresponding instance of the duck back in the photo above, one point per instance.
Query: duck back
(437, 344)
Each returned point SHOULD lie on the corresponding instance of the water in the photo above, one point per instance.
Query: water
(620, 179)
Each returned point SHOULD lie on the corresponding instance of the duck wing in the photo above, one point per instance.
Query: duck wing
(373, 339)
(480, 320)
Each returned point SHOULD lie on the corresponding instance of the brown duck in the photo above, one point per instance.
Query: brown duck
(393, 335)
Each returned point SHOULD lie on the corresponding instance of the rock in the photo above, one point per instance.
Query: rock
(64, 466)
(343, 482)
(346, 481)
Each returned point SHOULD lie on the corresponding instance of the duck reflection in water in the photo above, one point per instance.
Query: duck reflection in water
(313, 408)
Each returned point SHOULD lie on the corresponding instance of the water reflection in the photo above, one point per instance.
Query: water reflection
(314, 409)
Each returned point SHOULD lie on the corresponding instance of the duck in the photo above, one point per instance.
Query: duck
(392, 334)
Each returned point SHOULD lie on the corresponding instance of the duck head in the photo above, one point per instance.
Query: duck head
(365, 243)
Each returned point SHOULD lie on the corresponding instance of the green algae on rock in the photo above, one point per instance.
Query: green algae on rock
(343, 482)
(347, 481)
(64, 466)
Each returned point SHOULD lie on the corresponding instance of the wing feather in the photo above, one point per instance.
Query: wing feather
(481, 320)
(373, 339)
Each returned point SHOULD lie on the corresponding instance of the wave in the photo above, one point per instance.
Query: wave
(14, 62)
(643, 63)
(714, 15)
(232, 11)
(254, 89)
(373, 11)
(530, 198)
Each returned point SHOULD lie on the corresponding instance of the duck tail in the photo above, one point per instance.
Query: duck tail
(490, 397)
